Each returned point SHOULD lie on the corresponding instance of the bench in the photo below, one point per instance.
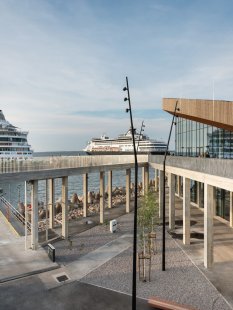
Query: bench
(164, 304)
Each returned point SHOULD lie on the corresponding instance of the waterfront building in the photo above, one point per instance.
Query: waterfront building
(195, 139)
(201, 169)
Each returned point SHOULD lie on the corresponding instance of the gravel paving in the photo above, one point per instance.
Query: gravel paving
(181, 282)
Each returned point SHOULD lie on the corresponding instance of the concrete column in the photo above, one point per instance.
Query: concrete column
(85, 194)
(143, 181)
(168, 175)
(128, 181)
(156, 180)
(199, 194)
(51, 202)
(34, 215)
(146, 179)
(64, 194)
(171, 201)
(178, 185)
(161, 179)
(186, 211)
(214, 201)
(110, 189)
(102, 197)
(231, 209)
(208, 225)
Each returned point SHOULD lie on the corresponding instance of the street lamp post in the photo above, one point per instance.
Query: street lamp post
(135, 200)
(141, 130)
(164, 194)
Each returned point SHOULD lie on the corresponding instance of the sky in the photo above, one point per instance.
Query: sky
(63, 64)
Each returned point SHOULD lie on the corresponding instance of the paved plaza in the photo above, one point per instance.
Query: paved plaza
(97, 272)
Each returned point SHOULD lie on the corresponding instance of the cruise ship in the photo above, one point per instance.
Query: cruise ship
(13, 141)
(124, 145)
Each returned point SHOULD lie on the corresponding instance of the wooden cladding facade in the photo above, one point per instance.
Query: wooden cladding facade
(218, 113)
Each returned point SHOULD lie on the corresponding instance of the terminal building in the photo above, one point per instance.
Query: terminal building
(196, 139)
(201, 172)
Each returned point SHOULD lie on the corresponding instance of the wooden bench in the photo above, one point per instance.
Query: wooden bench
(164, 304)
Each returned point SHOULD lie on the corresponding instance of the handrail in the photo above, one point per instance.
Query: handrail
(15, 212)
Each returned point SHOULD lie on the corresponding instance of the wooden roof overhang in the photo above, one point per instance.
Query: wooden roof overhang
(218, 113)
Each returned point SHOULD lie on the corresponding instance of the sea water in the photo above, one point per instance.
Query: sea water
(15, 191)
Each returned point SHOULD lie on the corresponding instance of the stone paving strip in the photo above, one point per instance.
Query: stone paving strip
(97, 258)
(87, 263)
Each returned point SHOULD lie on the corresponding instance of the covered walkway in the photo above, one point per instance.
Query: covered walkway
(221, 273)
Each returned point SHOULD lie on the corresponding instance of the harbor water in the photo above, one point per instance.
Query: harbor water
(15, 191)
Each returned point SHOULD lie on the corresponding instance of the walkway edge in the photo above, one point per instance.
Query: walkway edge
(194, 264)
(11, 227)
(30, 273)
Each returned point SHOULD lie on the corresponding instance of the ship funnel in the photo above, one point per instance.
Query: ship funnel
(2, 117)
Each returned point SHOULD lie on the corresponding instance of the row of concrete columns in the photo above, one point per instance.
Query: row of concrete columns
(209, 209)
(51, 200)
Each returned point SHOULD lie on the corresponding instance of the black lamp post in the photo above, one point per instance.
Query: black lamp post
(135, 200)
(164, 194)
(141, 130)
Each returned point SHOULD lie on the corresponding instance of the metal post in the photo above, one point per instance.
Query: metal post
(25, 213)
(141, 130)
(134, 288)
(46, 210)
(10, 192)
(164, 194)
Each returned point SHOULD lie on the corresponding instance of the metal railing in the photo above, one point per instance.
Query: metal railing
(10, 210)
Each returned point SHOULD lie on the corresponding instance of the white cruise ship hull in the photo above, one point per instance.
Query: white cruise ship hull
(124, 145)
(121, 153)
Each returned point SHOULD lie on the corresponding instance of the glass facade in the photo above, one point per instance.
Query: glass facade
(194, 139)
(200, 140)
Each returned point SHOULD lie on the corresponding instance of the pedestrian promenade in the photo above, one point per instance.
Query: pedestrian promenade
(184, 281)
(14, 260)
(221, 274)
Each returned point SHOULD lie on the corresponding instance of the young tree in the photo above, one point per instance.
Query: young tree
(147, 221)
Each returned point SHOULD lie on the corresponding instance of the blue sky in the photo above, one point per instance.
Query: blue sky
(63, 64)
